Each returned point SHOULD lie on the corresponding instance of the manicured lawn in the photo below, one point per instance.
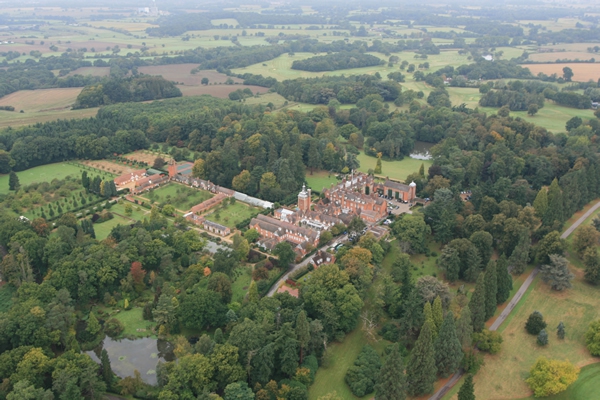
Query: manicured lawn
(134, 323)
(241, 283)
(103, 229)
(181, 197)
(394, 169)
(44, 173)
(231, 214)
(319, 180)
(135, 214)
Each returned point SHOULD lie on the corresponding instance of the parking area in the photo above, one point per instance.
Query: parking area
(398, 207)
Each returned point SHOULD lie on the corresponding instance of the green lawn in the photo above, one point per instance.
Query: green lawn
(241, 283)
(393, 169)
(103, 229)
(44, 173)
(181, 197)
(229, 215)
(320, 179)
(134, 323)
(135, 214)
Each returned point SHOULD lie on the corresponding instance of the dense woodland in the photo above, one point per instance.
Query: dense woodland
(341, 60)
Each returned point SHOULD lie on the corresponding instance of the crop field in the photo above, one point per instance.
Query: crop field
(582, 72)
(561, 55)
(394, 169)
(44, 173)
(94, 71)
(180, 73)
(231, 214)
(220, 91)
(181, 197)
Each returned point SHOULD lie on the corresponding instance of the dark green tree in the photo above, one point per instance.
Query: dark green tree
(85, 180)
(285, 253)
(491, 290)
(557, 273)
(391, 380)
(591, 261)
(362, 375)
(483, 241)
(464, 328)
(504, 280)
(520, 255)
(13, 181)
(450, 261)
(560, 330)
(286, 348)
(448, 349)
(302, 333)
(107, 373)
(535, 323)
(467, 390)
(542, 338)
(421, 364)
(554, 213)
(477, 304)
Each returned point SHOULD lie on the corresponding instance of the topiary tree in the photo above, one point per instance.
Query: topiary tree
(535, 323)
(542, 338)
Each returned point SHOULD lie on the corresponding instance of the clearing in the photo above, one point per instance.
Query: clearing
(103, 229)
(398, 169)
(582, 72)
(44, 173)
(320, 179)
(231, 214)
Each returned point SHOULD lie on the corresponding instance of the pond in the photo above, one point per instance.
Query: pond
(421, 150)
(128, 355)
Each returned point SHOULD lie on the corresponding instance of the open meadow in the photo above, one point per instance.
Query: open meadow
(231, 214)
(397, 169)
(320, 179)
(103, 229)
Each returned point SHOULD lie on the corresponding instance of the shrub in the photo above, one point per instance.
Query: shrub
(592, 338)
(113, 327)
(489, 341)
(361, 376)
(535, 323)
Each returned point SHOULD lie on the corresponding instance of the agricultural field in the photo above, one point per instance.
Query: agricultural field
(42, 105)
(394, 169)
(45, 173)
(181, 197)
(582, 72)
(561, 55)
(231, 214)
(220, 91)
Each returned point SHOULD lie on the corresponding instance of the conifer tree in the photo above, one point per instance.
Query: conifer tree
(477, 304)
(218, 336)
(378, 164)
(542, 338)
(560, 330)
(504, 280)
(464, 328)
(85, 180)
(448, 350)
(107, 373)
(302, 333)
(13, 181)
(467, 390)
(391, 381)
(93, 326)
(540, 204)
(450, 261)
(428, 314)
(555, 205)
(535, 323)
(253, 296)
(491, 289)
(520, 255)
(421, 370)
(438, 313)
(422, 169)
(591, 261)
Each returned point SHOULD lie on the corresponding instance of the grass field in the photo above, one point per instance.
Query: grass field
(231, 214)
(241, 283)
(103, 229)
(134, 323)
(135, 214)
(181, 197)
(220, 91)
(393, 169)
(319, 180)
(585, 388)
(44, 173)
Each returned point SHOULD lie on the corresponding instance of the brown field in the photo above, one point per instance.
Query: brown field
(570, 46)
(145, 156)
(105, 165)
(94, 71)
(181, 73)
(41, 99)
(221, 91)
(562, 55)
(583, 72)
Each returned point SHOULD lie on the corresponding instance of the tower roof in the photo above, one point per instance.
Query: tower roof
(303, 193)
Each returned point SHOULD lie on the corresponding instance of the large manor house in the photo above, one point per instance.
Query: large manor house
(358, 196)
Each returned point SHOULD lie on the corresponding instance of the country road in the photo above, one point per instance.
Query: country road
(514, 301)
(301, 264)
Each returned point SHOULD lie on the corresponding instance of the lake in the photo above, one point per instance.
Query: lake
(422, 150)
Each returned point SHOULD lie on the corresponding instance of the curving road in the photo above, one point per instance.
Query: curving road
(514, 301)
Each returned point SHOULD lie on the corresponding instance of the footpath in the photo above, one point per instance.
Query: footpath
(514, 301)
